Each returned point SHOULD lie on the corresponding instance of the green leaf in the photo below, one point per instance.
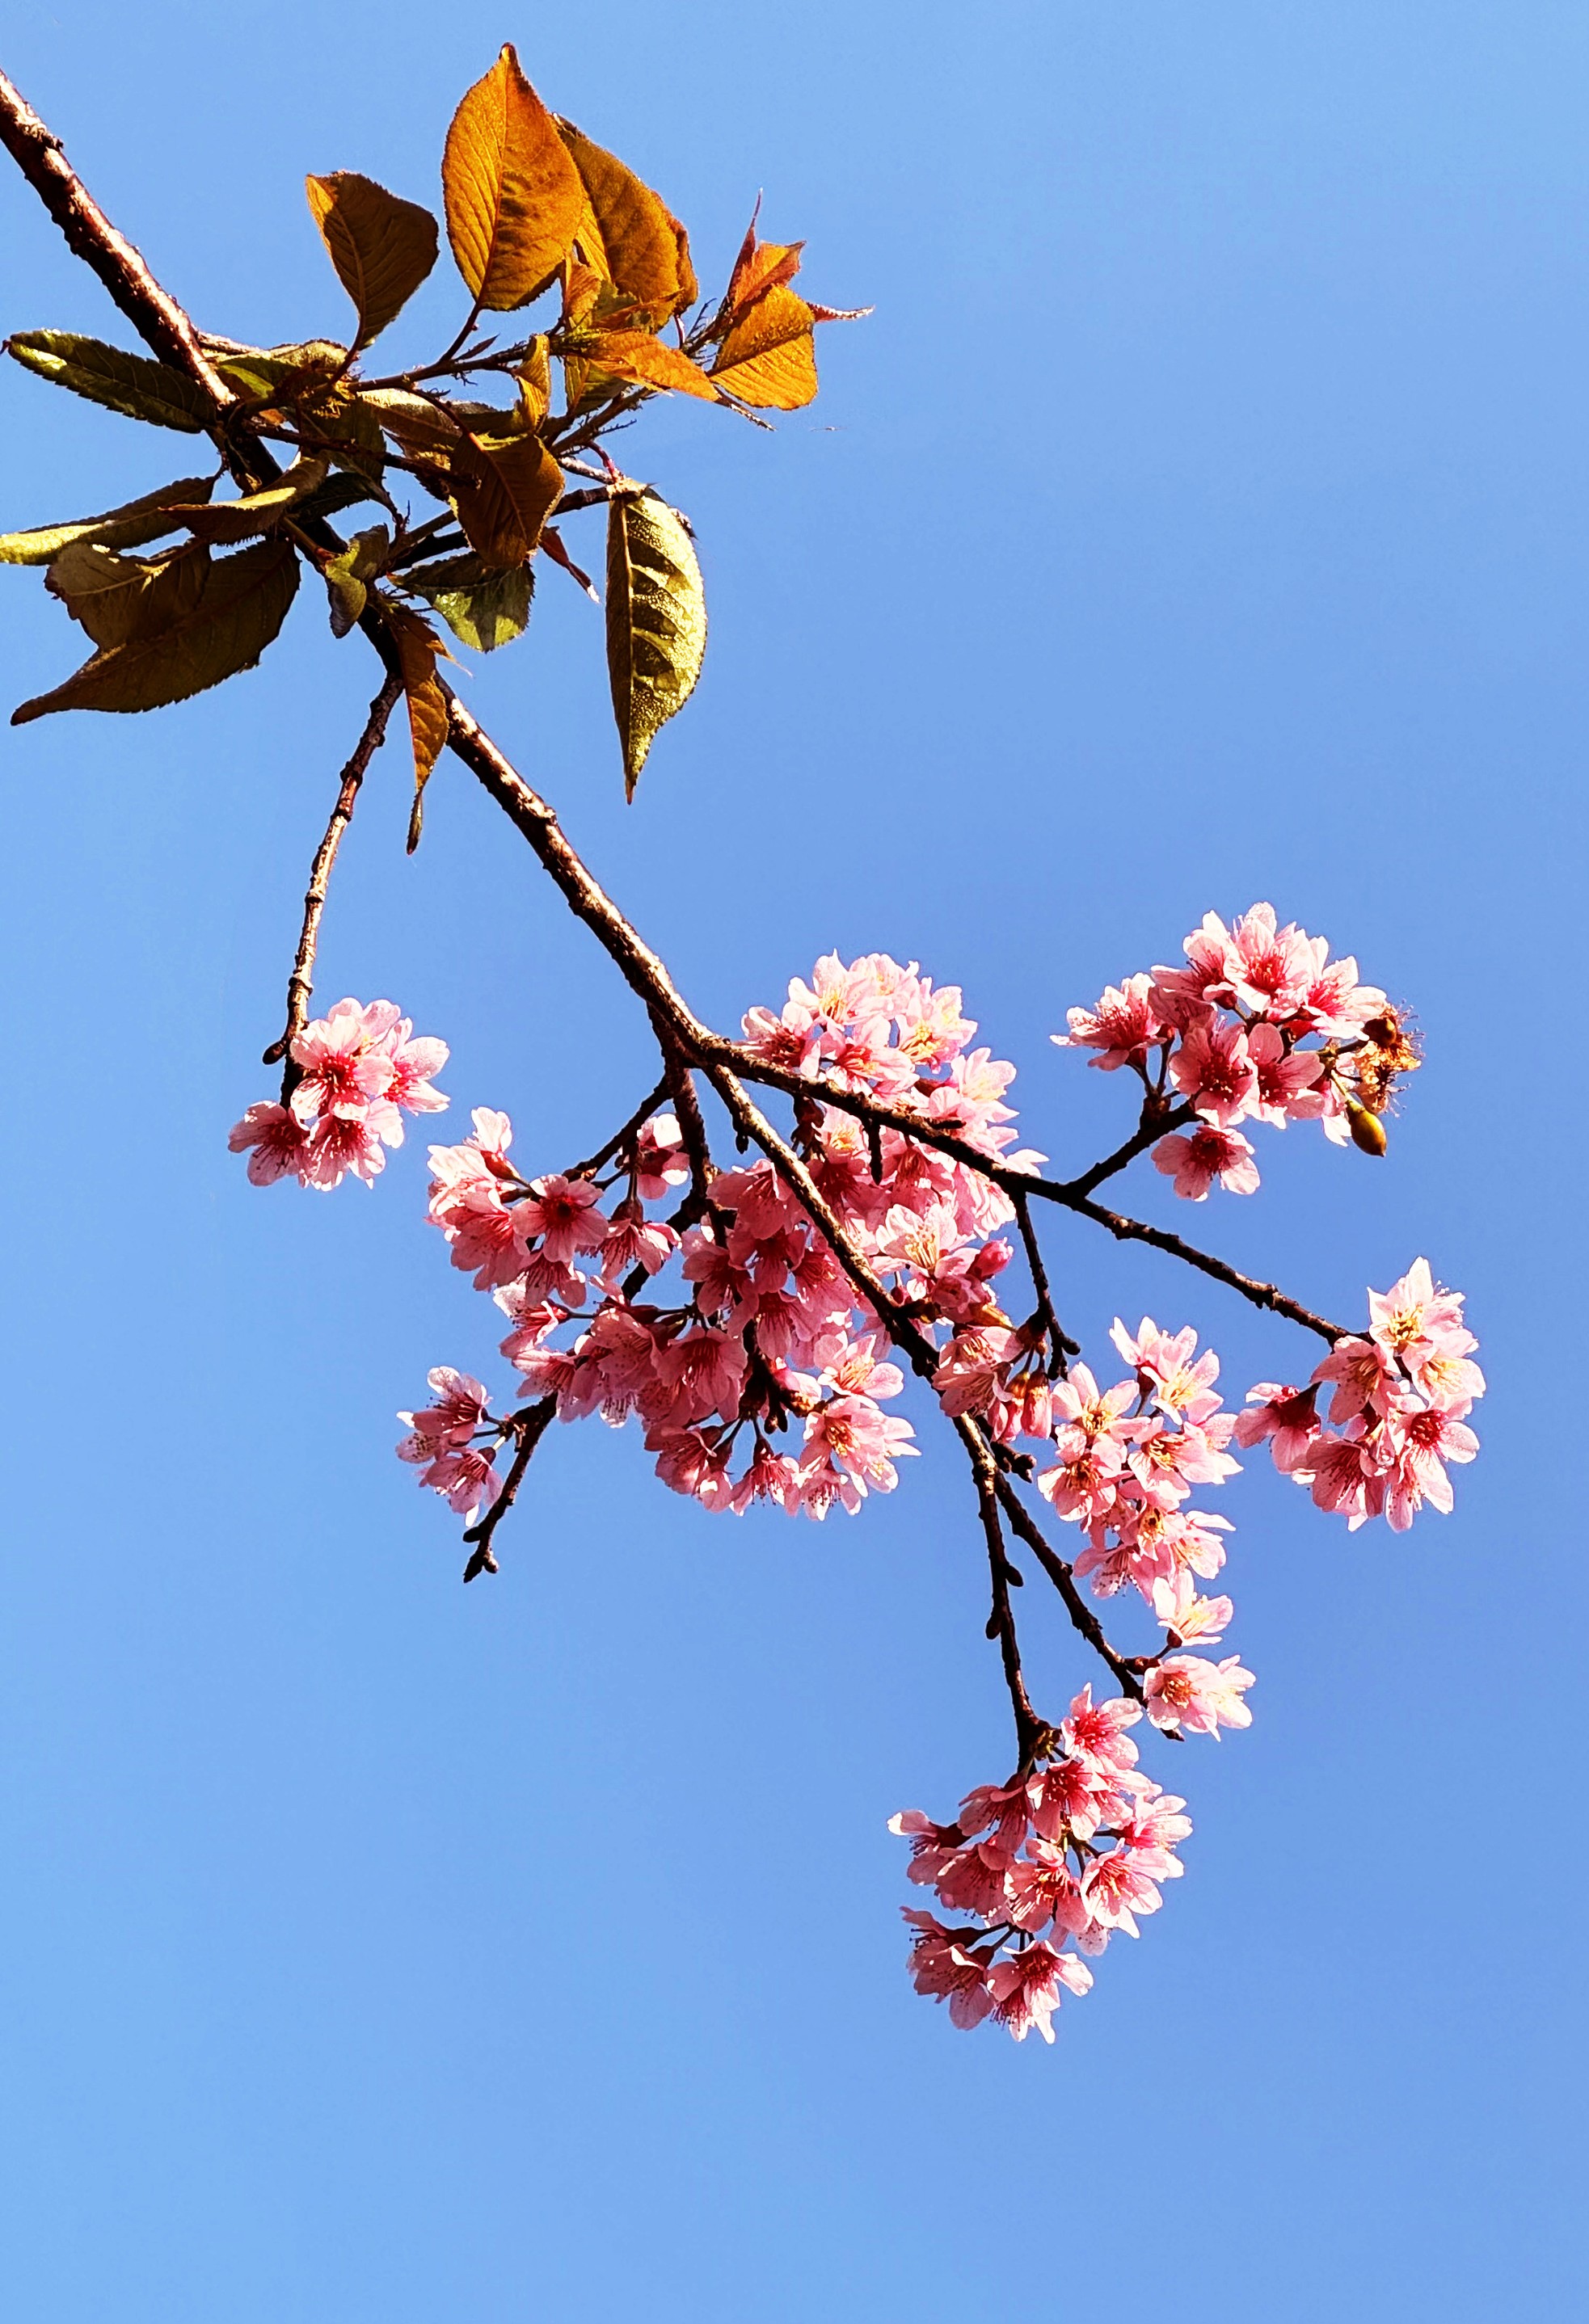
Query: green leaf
(272, 374)
(239, 610)
(131, 384)
(656, 619)
(347, 577)
(127, 526)
(483, 607)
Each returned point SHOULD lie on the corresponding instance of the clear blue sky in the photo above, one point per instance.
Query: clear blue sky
(1203, 516)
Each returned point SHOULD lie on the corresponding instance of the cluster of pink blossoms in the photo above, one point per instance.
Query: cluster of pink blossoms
(764, 1376)
(1259, 1026)
(1398, 1402)
(1040, 1870)
(354, 1074)
(768, 1338)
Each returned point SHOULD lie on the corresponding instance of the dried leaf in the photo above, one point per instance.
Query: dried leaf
(636, 357)
(382, 246)
(656, 620)
(483, 607)
(504, 489)
(131, 384)
(769, 358)
(116, 599)
(514, 198)
(417, 647)
(127, 526)
(628, 233)
(241, 607)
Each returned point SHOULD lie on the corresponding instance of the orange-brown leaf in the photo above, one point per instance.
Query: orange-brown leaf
(635, 236)
(761, 266)
(514, 198)
(504, 489)
(651, 362)
(769, 358)
(417, 647)
(382, 246)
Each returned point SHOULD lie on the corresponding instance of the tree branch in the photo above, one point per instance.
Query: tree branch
(531, 1426)
(300, 984)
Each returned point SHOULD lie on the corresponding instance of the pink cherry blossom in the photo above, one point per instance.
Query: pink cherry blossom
(280, 1143)
(1200, 1697)
(1196, 1162)
(1212, 1070)
(1124, 1026)
(1284, 1417)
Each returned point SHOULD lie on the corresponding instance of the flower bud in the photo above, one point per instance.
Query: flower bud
(1368, 1131)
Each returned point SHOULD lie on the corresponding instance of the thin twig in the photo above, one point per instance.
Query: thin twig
(620, 1139)
(1061, 1574)
(531, 1426)
(300, 984)
(1060, 1344)
(1030, 1731)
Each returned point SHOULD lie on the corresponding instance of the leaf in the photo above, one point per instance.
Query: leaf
(420, 424)
(534, 378)
(347, 577)
(382, 246)
(483, 607)
(514, 198)
(504, 489)
(281, 374)
(551, 541)
(131, 384)
(255, 513)
(760, 266)
(628, 233)
(417, 647)
(656, 620)
(769, 358)
(635, 356)
(116, 599)
(127, 526)
(241, 607)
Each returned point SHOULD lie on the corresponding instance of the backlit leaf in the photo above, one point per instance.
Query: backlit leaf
(483, 607)
(417, 647)
(116, 598)
(131, 384)
(656, 620)
(239, 610)
(534, 377)
(504, 489)
(760, 266)
(382, 246)
(514, 198)
(629, 234)
(636, 357)
(769, 358)
(127, 526)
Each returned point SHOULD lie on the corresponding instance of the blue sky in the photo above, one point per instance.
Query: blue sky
(1202, 516)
